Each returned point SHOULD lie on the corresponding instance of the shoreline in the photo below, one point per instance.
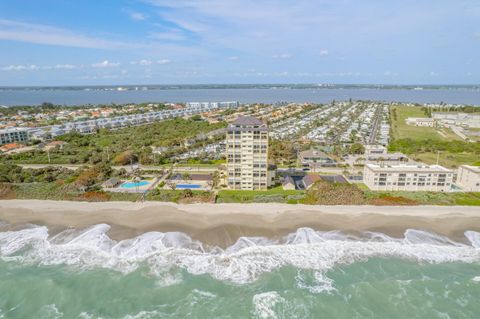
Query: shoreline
(223, 224)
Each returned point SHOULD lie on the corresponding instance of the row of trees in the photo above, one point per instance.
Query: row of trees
(10, 173)
(84, 178)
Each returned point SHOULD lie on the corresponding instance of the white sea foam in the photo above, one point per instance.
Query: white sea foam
(143, 315)
(242, 262)
(49, 312)
(264, 305)
(473, 237)
(320, 283)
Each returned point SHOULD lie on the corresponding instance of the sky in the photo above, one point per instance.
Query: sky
(92, 42)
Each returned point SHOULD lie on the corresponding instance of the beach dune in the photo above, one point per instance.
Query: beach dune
(223, 224)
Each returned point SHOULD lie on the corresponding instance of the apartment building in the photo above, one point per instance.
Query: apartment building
(13, 134)
(375, 150)
(468, 178)
(315, 158)
(215, 105)
(247, 154)
(470, 120)
(379, 154)
(403, 177)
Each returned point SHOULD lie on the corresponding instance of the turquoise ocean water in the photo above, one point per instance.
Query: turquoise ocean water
(307, 274)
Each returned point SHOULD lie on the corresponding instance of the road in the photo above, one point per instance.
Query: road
(378, 115)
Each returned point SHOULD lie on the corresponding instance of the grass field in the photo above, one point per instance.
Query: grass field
(423, 198)
(400, 129)
(180, 196)
(448, 159)
(274, 195)
(54, 191)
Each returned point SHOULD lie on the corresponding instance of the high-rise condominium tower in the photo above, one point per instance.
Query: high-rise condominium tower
(247, 154)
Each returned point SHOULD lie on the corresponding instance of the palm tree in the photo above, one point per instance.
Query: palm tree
(215, 178)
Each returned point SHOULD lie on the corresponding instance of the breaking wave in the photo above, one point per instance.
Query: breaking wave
(240, 263)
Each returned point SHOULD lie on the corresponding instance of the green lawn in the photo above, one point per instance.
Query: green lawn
(179, 196)
(50, 191)
(400, 129)
(273, 195)
(448, 159)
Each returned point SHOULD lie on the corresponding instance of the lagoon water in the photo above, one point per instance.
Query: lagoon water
(307, 274)
(77, 96)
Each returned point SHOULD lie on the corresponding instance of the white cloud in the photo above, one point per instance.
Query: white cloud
(271, 26)
(142, 62)
(46, 34)
(65, 66)
(233, 58)
(390, 73)
(137, 16)
(20, 67)
(282, 56)
(106, 64)
(163, 61)
(171, 35)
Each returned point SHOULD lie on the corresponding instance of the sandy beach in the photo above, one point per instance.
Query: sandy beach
(222, 224)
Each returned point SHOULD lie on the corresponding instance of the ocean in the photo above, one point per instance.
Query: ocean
(306, 274)
(268, 94)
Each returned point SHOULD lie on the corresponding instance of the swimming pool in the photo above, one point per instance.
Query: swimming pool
(188, 186)
(134, 184)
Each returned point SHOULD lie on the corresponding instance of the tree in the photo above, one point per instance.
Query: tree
(215, 178)
(356, 148)
(171, 185)
(187, 193)
(125, 158)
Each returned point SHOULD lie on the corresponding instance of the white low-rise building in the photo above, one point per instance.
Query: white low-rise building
(470, 120)
(421, 121)
(14, 134)
(468, 178)
(431, 178)
(375, 150)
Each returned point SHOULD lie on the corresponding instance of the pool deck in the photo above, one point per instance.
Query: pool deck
(196, 185)
(133, 189)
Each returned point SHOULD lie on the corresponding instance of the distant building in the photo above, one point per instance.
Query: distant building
(13, 134)
(247, 154)
(458, 119)
(420, 121)
(468, 178)
(315, 158)
(433, 178)
(375, 150)
(213, 105)
(112, 183)
(379, 154)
